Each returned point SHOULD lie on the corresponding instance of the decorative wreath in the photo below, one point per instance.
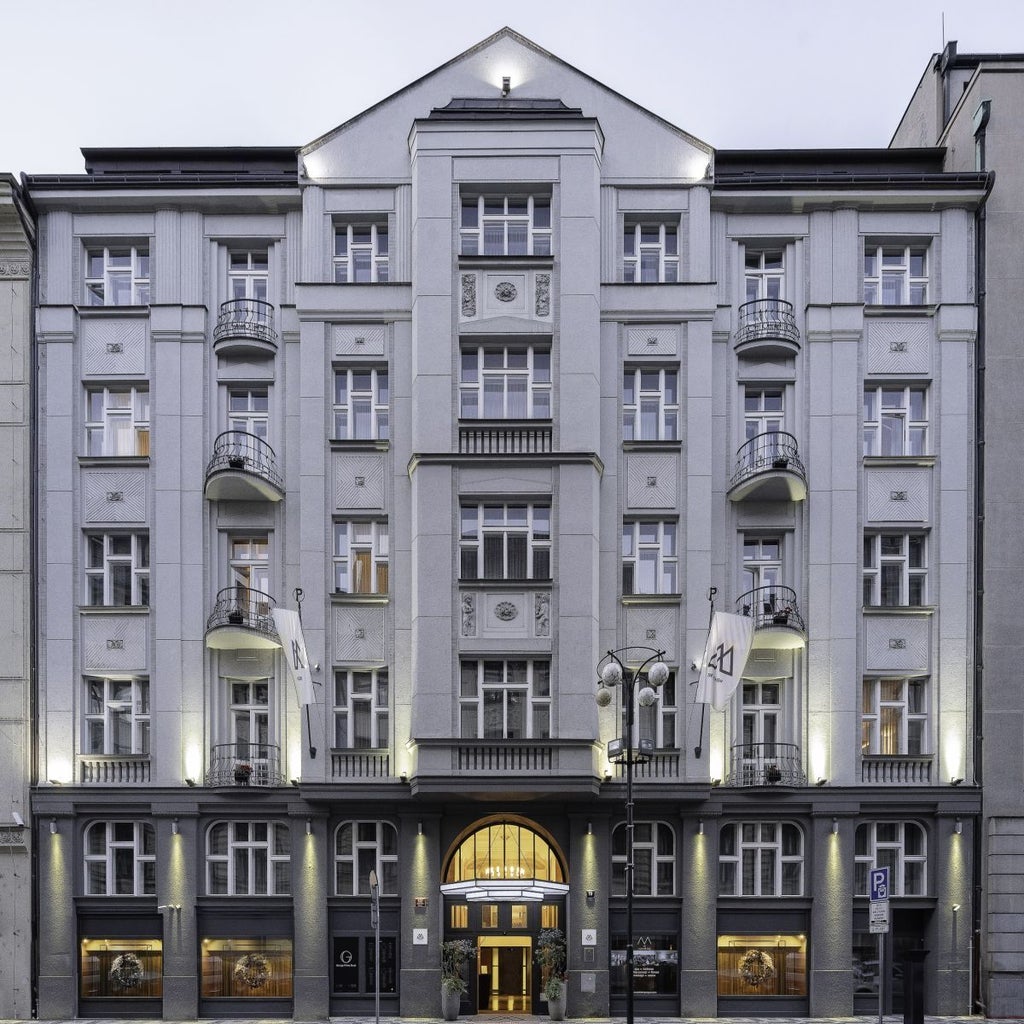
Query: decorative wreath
(126, 970)
(756, 967)
(252, 970)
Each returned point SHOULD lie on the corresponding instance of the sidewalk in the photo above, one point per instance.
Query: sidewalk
(494, 1018)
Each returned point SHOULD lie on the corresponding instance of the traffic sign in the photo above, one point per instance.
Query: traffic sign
(879, 884)
(879, 911)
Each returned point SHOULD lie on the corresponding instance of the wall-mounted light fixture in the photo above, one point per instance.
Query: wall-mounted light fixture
(958, 827)
(835, 826)
(309, 826)
(53, 826)
(405, 776)
(590, 828)
(295, 783)
(821, 781)
(419, 828)
(56, 782)
(591, 894)
(190, 782)
(174, 827)
(506, 86)
(716, 782)
(956, 780)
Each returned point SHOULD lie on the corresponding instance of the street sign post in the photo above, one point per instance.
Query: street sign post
(878, 922)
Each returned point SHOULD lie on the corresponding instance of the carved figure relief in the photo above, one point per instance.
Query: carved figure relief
(469, 294)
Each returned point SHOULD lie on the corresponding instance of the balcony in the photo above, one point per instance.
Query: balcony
(245, 764)
(243, 468)
(245, 327)
(765, 764)
(242, 620)
(505, 437)
(114, 769)
(766, 327)
(778, 624)
(768, 468)
(652, 764)
(896, 769)
(360, 764)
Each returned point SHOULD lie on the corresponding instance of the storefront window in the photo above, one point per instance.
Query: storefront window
(247, 968)
(122, 969)
(762, 965)
(655, 965)
(352, 950)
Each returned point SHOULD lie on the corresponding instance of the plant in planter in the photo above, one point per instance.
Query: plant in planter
(455, 953)
(243, 773)
(550, 956)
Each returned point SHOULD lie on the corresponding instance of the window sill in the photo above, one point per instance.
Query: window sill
(644, 445)
(113, 460)
(898, 460)
(543, 584)
(502, 260)
(115, 609)
(926, 309)
(344, 597)
(101, 312)
(358, 444)
(652, 598)
(899, 609)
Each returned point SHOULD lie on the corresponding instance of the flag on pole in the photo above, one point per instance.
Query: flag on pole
(725, 658)
(289, 629)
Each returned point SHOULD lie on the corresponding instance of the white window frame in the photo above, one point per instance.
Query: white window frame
(105, 558)
(651, 545)
(485, 217)
(249, 274)
(267, 852)
(489, 688)
(764, 410)
(114, 273)
(120, 842)
(493, 379)
(907, 567)
(248, 410)
(361, 253)
(650, 252)
(764, 274)
(373, 845)
(482, 524)
(885, 844)
(113, 707)
(896, 275)
(894, 716)
(895, 417)
(117, 418)
(650, 403)
(654, 859)
(761, 846)
(361, 556)
(362, 705)
(659, 722)
(361, 403)
(251, 719)
(762, 562)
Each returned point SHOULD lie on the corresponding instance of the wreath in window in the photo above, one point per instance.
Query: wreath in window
(756, 967)
(252, 970)
(126, 970)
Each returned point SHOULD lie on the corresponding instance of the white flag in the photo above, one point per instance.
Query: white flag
(725, 658)
(289, 629)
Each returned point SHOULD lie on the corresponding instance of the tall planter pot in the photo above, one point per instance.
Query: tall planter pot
(451, 1000)
(556, 1004)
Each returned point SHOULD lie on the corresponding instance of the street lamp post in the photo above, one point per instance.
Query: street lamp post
(375, 922)
(614, 672)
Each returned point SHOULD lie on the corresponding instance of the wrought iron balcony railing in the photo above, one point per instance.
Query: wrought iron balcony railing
(490, 437)
(242, 618)
(765, 764)
(768, 467)
(776, 614)
(768, 325)
(245, 325)
(243, 468)
(245, 764)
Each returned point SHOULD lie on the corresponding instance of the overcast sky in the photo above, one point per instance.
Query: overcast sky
(735, 73)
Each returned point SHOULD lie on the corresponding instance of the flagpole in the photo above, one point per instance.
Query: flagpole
(697, 750)
(309, 724)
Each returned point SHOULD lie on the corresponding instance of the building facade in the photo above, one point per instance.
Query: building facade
(502, 375)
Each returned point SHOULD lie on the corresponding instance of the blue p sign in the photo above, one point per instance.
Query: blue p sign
(879, 883)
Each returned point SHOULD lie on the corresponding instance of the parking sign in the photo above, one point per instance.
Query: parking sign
(879, 884)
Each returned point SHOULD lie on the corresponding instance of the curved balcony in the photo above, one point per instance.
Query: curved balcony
(245, 327)
(245, 764)
(242, 620)
(768, 468)
(767, 327)
(778, 624)
(765, 764)
(243, 468)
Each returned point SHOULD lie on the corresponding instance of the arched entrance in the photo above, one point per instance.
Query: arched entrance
(504, 881)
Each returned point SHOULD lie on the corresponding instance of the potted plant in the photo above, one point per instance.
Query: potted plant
(243, 772)
(551, 958)
(454, 955)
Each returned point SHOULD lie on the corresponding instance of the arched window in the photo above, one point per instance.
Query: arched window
(361, 847)
(901, 846)
(654, 859)
(120, 859)
(760, 858)
(248, 858)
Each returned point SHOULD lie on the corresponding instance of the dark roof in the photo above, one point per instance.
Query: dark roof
(491, 107)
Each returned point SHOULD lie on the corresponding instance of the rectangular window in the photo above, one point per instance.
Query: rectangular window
(655, 965)
(117, 421)
(116, 716)
(650, 562)
(249, 411)
(764, 275)
(895, 569)
(507, 700)
(360, 557)
(361, 253)
(762, 966)
(505, 542)
(361, 403)
(657, 722)
(895, 420)
(347, 977)
(894, 716)
(242, 968)
(105, 961)
(895, 275)
(650, 404)
(360, 708)
(248, 275)
(117, 569)
(508, 382)
(650, 254)
(505, 226)
(117, 276)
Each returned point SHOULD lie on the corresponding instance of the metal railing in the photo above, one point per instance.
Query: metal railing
(767, 320)
(245, 764)
(504, 439)
(772, 451)
(896, 769)
(771, 606)
(360, 764)
(248, 319)
(662, 764)
(244, 607)
(765, 764)
(114, 769)
(240, 451)
(504, 757)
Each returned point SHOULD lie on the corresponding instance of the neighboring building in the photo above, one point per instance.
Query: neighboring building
(970, 105)
(501, 375)
(16, 270)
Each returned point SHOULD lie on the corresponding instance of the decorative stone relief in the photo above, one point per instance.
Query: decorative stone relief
(542, 614)
(468, 615)
(543, 295)
(469, 294)
(13, 269)
(506, 611)
(506, 291)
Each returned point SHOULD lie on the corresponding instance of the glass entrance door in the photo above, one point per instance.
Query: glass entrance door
(504, 981)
